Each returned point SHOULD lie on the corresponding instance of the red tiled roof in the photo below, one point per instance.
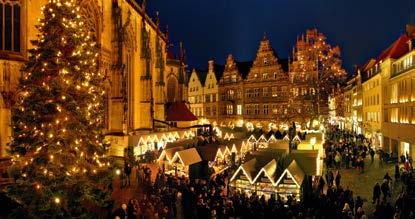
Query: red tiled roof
(179, 112)
(397, 49)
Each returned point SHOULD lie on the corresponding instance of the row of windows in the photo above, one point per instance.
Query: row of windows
(408, 62)
(401, 92)
(372, 100)
(372, 116)
(193, 89)
(405, 115)
(9, 27)
(197, 111)
(210, 111)
(372, 84)
(264, 76)
(231, 95)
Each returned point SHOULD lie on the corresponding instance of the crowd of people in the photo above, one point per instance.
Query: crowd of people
(213, 199)
(344, 149)
(170, 196)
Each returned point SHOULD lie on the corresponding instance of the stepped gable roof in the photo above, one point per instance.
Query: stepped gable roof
(178, 112)
(244, 68)
(397, 49)
(218, 71)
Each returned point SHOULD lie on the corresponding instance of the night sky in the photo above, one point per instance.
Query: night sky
(215, 28)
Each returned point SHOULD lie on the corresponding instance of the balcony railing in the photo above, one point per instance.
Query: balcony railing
(403, 70)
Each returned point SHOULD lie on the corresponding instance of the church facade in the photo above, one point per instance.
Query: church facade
(141, 78)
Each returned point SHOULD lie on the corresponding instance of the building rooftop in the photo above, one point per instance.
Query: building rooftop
(178, 112)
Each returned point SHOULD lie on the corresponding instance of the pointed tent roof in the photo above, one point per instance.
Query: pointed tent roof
(179, 112)
(248, 169)
(187, 157)
(295, 172)
(269, 170)
(262, 138)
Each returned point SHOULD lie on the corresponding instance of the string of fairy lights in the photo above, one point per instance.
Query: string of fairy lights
(68, 68)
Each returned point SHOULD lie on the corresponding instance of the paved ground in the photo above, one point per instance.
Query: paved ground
(362, 183)
(134, 191)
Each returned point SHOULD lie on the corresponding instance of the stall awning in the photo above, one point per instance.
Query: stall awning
(296, 172)
(187, 157)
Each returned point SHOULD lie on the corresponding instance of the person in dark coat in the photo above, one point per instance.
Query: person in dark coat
(376, 193)
(337, 180)
(397, 173)
(127, 171)
(321, 184)
(385, 189)
(121, 212)
(372, 155)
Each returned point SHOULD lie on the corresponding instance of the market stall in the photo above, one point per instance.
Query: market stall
(183, 159)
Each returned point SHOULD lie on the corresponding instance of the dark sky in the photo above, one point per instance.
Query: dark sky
(215, 28)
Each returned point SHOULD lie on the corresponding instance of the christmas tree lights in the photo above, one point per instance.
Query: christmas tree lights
(58, 120)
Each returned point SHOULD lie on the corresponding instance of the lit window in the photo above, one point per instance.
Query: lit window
(239, 109)
(229, 109)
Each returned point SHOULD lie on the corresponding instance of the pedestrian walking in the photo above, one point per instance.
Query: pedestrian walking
(385, 189)
(338, 178)
(397, 173)
(372, 155)
(376, 193)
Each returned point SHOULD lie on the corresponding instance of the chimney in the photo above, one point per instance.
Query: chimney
(410, 30)
(211, 65)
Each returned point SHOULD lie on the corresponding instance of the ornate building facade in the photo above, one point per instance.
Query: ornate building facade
(270, 92)
(132, 57)
(266, 87)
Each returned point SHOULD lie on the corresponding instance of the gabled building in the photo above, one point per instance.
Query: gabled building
(372, 101)
(266, 88)
(196, 95)
(231, 86)
(398, 75)
(353, 102)
(211, 92)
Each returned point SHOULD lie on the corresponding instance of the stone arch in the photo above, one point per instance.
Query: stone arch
(91, 12)
(172, 88)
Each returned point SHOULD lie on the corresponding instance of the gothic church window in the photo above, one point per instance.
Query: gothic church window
(10, 26)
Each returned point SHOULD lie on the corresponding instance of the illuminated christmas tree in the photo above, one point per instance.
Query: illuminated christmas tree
(58, 120)
(317, 70)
